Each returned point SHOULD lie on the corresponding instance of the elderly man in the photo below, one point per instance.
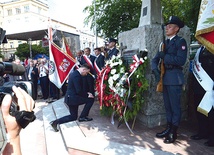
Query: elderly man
(43, 77)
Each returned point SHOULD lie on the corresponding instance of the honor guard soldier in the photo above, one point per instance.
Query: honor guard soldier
(112, 48)
(174, 57)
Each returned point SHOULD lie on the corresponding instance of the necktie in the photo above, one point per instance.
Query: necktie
(167, 41)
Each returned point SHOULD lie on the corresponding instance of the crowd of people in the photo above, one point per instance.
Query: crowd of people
(80, 88)
(81, 83)
(36, 71)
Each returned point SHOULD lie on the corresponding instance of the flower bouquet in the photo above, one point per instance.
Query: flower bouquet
(120, 88)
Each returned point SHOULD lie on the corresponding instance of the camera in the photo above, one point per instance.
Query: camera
(22, 118)
(7, 89)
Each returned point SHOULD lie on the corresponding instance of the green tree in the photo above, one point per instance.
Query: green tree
(1, 56)
(23, 50)
(115, 16)
(186, 10)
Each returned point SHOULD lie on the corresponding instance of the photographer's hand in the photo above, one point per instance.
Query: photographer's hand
(26, 103)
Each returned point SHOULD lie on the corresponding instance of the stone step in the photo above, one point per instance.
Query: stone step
(54, 141)
(71, 136)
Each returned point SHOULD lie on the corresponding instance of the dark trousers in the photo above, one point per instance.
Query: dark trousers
(211, 125)
(54, 91)
(35, 89)
(44, 83)
(64, 88)
(172, 99)
(205, 124)
(202, 119)
(88, 84)
(73, 109)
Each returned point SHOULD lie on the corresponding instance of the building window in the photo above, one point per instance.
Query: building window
(9, 12)
(19, 42)
(26, 8)
(11, 45)
(39, 10)
(26, 19)
(18, 10)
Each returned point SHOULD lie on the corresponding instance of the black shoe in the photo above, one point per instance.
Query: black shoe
(198, 137)
(209, 143)
(85, 119)
(165, 132)
(172, 136)
(54, 126)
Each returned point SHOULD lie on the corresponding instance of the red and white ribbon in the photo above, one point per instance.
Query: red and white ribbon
(96, 68)
(88, 61)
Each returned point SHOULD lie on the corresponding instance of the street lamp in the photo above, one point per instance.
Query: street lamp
(30, 43)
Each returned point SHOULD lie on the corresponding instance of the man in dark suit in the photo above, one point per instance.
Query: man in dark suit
(76, 96)
(99, 61)
(112, 48)
(79, 55)
(34, 75)
(88, 81)
(174, 57)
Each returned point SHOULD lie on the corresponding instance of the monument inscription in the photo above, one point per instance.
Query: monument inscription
(127, 56)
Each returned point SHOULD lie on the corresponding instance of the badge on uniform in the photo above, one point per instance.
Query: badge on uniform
(183, 47)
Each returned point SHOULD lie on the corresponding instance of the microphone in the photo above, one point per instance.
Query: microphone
(11, 68)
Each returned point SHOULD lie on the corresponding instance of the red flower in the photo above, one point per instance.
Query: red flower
(108, 69)
(104, 86)
(106, 77)
(139, 84)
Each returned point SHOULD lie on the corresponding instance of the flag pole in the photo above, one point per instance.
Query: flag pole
(50, 39)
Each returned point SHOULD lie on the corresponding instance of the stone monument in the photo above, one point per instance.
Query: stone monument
(150, 12)
(148, 36)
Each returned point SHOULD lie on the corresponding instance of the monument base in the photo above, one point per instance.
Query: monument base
(156, 119)
(149, 37)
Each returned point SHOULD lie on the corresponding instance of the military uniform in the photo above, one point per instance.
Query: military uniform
(173, 79)
(174, 57)
(113, 51)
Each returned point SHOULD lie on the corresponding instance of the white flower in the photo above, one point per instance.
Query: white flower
(118, 56)
(107, 62)
(113, 64)
(120, 62)
(137, 76)
(113, 57)
(115, 77)
(123, 78)
(113, 71)
(123, 91)
(110, 82)
(145, 58)
(141, 59)
(122, 70)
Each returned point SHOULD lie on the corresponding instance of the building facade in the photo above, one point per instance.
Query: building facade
(29, 19)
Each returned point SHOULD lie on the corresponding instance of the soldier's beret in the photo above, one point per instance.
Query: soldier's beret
(175, 20)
